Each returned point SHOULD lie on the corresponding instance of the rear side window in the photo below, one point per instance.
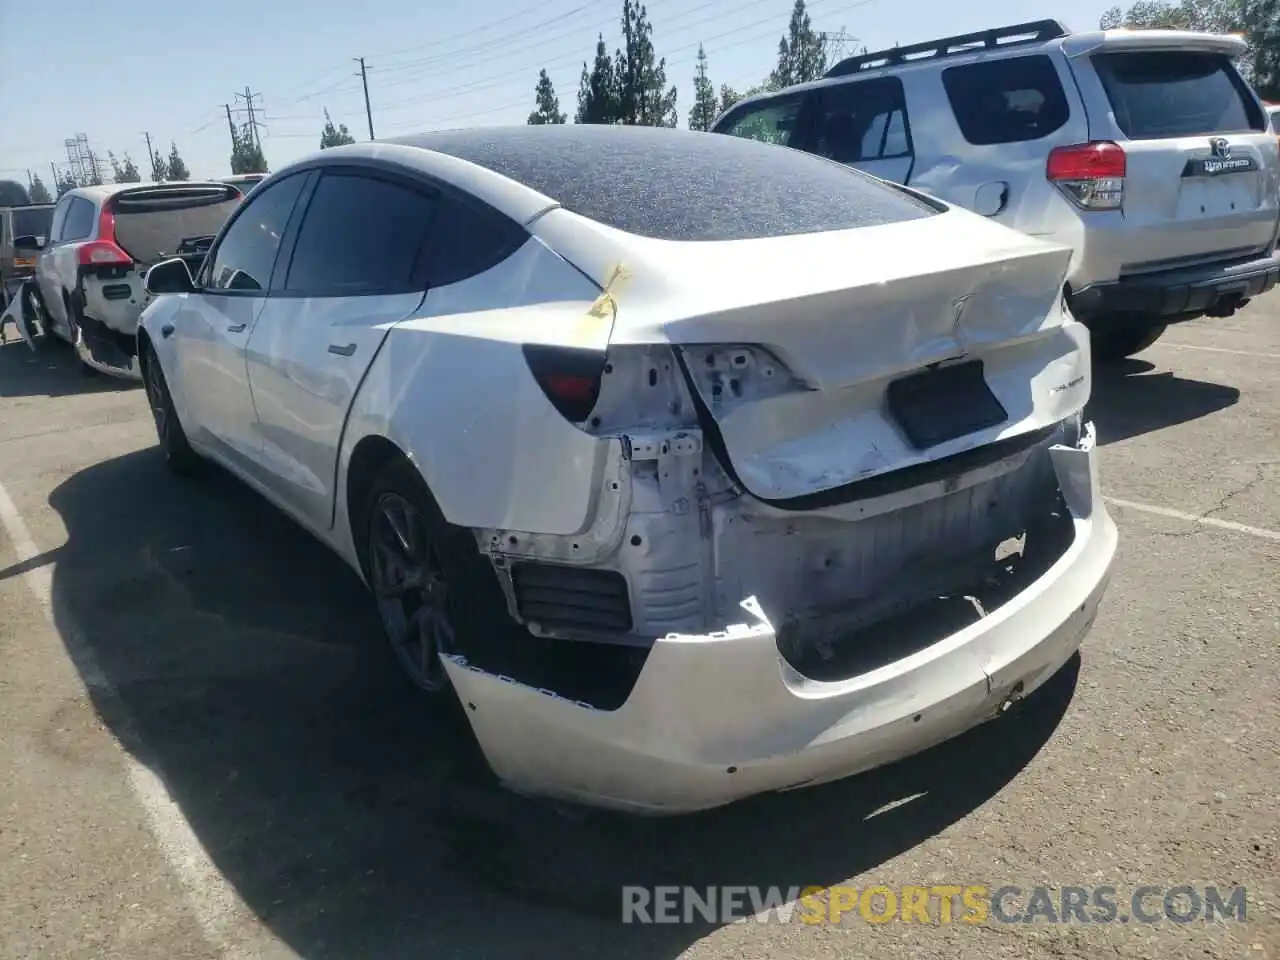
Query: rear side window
(360, 235)
(769, 121)
(859, 122)
(246, 254)
(153, 223)
(1176, 93)
(467, 238)
(79, 222)
(1006, 101)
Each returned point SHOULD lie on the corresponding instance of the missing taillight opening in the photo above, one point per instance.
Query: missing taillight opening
(1091, 175)
(569, 376)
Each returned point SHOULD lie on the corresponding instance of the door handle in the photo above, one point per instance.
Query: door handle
(342, 350)
(236, 327)
(166, 331)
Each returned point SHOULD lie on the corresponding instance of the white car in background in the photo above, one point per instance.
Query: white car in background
(694, 467)
(89, 273)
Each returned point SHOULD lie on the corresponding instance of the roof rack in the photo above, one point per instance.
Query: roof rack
(1037, 31)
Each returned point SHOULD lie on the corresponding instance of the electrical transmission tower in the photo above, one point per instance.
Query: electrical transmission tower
(83, 164)
(251, 110)
(839, 45)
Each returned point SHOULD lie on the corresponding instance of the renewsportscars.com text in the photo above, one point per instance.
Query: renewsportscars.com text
(934, 904)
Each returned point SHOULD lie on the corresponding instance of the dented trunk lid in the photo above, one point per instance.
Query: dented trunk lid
(820, 360)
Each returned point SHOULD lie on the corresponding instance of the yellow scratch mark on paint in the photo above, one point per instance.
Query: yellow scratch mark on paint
(604, 309)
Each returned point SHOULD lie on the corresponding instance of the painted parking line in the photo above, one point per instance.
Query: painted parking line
(211, 900)
(1260, 532)
(1237, 353)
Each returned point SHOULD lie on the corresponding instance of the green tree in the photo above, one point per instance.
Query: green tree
(39, 192)
(177, 168)
(246, 154)
(546, 107)
(126, 172)
(802, 53)
(597, 90)
(643, 97)
(705, 107)
(159, 169)
(13, 194)
(332, 136)
(129, 172)
(68, 182)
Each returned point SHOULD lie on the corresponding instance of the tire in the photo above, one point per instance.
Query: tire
(170, 436)
(1111, 345)
(430, 584)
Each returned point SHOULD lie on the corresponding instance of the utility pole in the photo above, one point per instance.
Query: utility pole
(231, 125)
(151, 154)
(364, 80)
(30, 183)
(56, 182)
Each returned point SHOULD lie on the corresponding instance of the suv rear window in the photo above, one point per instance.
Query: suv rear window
(1006, 101)
(152, 222)
(680, 185)
(1176, 93)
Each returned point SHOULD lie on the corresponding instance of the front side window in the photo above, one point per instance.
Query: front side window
(769, 121)
(1006, 101)
(79, 222)
(244, 259)
(360, 235)
(861, 122)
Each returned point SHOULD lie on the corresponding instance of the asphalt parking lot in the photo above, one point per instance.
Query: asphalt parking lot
(206, 752)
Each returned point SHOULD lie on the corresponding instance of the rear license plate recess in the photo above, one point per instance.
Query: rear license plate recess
(934, 406)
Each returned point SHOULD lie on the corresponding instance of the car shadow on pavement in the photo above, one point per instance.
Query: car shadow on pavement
(51, 370)
(1130, 400)
(241, 661)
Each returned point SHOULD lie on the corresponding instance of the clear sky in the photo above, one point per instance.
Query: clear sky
(113, 71)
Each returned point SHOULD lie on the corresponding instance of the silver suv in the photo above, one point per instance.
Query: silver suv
(1144, 151)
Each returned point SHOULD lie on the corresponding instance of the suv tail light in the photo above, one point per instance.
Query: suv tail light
(569, 376)
(1090, 174)
(104, 252)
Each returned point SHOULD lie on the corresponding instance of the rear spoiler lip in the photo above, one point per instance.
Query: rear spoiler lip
(1084, 44)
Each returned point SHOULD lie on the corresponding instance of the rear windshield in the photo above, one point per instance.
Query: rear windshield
(32, 222)
(151, 224)
(680, 185)
(1176, 93)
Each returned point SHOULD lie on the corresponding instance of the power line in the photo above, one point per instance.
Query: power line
(503, 79)
(249, 129)
(418, 125)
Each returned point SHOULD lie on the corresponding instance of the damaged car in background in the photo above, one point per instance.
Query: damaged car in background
(693, 467)
(88, 287)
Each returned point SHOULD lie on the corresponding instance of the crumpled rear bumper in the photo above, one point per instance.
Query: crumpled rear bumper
(714, 718)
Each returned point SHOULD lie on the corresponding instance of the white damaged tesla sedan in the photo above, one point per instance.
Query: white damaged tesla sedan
(694, 467)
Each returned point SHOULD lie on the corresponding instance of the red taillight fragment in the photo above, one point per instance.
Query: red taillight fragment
(1090, 174)
(101, 253)
(104, 251)
(569, 376)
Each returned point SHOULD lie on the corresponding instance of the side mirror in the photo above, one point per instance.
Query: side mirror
(170, 276)
(27, 244)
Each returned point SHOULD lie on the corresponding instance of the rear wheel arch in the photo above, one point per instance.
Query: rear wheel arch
(370, 457)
